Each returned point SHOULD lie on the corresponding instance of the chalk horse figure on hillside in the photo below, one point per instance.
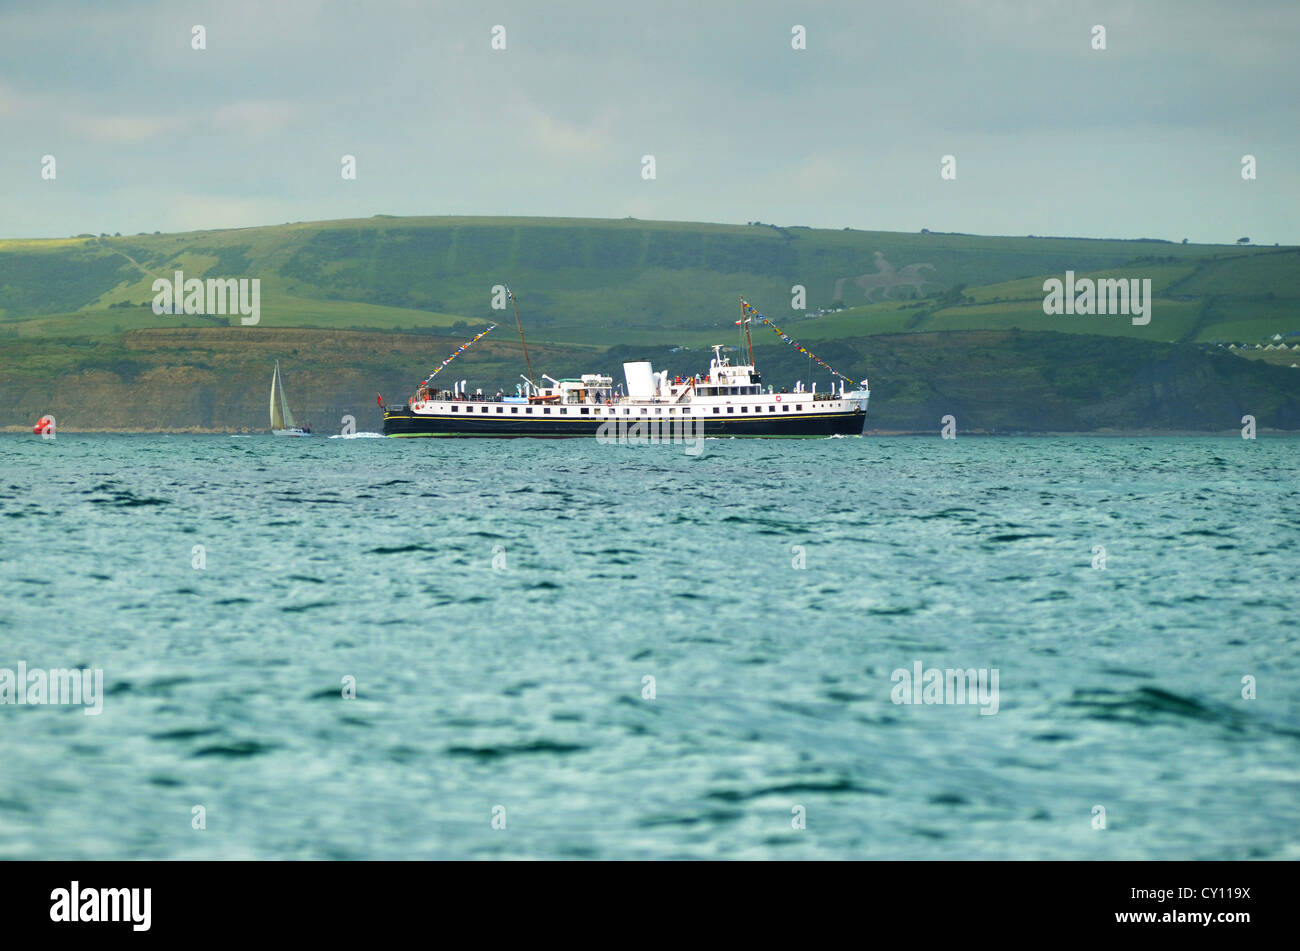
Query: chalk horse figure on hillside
(886, 279)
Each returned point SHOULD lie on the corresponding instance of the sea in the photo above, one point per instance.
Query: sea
(368, 648)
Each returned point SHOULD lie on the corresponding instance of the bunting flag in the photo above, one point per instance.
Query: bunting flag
(751, 313)
(457, 352)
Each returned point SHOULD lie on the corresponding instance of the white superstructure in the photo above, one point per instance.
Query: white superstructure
(728, 394)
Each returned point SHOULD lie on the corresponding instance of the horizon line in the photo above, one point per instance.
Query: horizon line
(655, 221)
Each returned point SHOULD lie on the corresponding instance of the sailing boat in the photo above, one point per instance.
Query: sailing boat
(282, 423)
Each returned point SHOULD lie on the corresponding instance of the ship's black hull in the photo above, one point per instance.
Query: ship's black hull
(403, 423)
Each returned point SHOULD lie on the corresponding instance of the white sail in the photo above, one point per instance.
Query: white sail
(277, 420)
(284, 406)
(281, 415)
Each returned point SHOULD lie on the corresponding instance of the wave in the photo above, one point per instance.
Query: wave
(1150, 705)
(358, 436)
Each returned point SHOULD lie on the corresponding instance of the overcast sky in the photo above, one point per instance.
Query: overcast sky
(1143, 139)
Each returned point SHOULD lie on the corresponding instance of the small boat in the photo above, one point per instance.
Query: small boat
(282, 422)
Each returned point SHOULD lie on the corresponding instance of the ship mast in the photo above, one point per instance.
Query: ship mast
(744, 322)
(528, 363)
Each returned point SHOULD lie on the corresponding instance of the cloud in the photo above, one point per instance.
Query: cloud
(255, 115)
(122, 129)
(1048, 132)
(11, 104)
(560, 139)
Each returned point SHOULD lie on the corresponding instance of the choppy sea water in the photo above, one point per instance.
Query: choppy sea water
(500, 605)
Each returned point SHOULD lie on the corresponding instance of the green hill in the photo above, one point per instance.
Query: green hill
(605, 282)
(71, 306)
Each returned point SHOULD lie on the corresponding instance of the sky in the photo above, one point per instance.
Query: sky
(1050, 136)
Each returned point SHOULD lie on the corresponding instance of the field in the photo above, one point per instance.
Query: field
(613, 281)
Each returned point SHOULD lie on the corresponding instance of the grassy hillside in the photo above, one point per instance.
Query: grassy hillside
(608, 281)
(963, 314)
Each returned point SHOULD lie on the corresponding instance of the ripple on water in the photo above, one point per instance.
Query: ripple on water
(527, 685)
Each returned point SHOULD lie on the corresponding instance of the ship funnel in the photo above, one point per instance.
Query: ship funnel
(640, 379)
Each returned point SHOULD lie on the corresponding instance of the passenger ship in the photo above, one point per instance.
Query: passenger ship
(727, 401)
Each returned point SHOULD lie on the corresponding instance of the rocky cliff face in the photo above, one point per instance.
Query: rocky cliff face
(189, 399)
(1029, 385)
(218, 380)
(1010, 381)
